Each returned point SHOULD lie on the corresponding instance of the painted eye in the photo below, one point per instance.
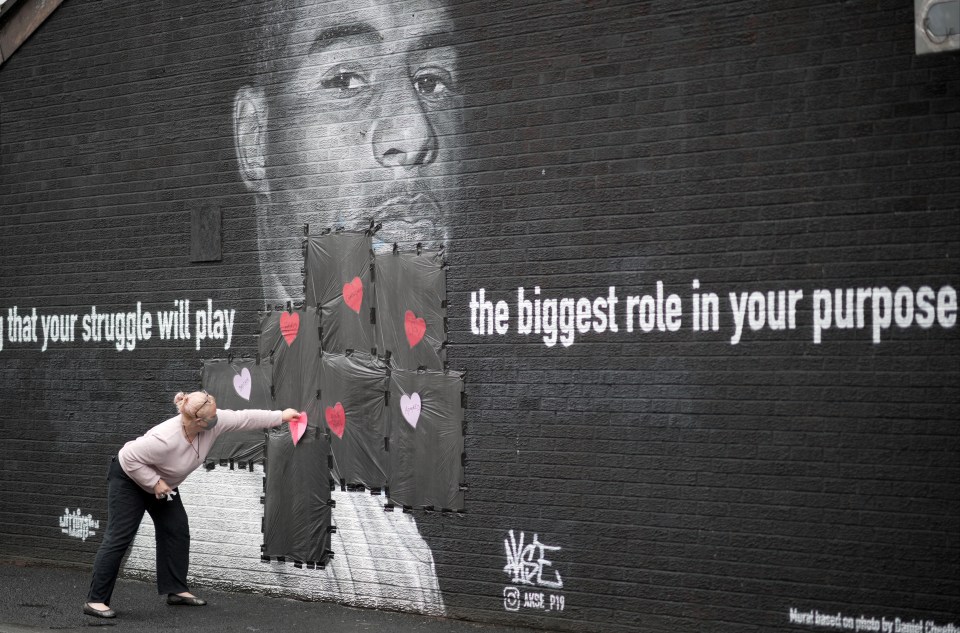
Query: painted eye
(433, 84)
(429, 85)
(343, 84)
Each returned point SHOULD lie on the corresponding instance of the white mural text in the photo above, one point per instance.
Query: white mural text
(839, 621)
(877, 310)
(121, 329)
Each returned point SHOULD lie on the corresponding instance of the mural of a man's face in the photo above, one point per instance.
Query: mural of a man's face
(355, 118)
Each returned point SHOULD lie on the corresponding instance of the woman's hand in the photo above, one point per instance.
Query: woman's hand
(161, 489)
(291, 415)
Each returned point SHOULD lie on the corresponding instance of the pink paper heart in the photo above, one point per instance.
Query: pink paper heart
(289, 326)
(415, 327)
(410, 408)
(242, 383)
(298, 427)
(336, 419)
(353, 294)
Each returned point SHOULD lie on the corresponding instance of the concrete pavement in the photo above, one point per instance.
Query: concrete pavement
(42, 598)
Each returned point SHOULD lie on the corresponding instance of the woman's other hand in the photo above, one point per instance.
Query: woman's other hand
(291, 415)
(161, 489)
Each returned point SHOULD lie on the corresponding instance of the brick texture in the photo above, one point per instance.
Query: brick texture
(678, 481)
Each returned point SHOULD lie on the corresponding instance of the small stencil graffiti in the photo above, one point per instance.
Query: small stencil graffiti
(527, 564)
(76, 525)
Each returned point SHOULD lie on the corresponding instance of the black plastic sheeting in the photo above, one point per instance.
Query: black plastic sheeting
(338, 280)
(426, 439)
(290, 345)
(353, 397)
(411, 294)
(398, 428)
(238, 384)
(297, 506)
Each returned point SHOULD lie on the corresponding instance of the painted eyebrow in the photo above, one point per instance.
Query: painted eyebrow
(438, 39)
(329, 37)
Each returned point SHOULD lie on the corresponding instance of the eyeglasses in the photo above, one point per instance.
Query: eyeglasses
(205, 401)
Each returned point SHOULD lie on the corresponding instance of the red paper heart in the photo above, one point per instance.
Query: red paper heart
(415, 326)
(289, 326)
(353, 294)
(336, 419)
(298, 427)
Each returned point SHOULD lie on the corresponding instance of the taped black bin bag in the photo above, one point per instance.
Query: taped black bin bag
(426, 439)
(289, 344)
(238, 384)
(411, 291)
(296, 515)
(338, 281)
(353, 396)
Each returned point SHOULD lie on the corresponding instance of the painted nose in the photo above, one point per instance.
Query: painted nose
(402, 134)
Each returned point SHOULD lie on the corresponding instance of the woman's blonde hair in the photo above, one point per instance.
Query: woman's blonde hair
(184, 405)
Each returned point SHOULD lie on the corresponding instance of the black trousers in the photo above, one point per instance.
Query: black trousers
(126, 503)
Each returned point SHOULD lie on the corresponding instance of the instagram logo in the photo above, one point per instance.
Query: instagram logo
(511, 598)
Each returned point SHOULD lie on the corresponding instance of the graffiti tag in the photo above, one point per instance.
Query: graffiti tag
(526, 565)
(526, 562)
(76, 525)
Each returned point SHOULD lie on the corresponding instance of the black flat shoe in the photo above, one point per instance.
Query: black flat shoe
(186, 601)
(97, 613)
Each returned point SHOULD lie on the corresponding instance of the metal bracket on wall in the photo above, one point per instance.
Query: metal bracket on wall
(206, 232)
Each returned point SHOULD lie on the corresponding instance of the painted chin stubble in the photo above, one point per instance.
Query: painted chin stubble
(408, 210)
(405, 221)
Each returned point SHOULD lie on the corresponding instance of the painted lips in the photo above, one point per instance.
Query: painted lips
(410, 219)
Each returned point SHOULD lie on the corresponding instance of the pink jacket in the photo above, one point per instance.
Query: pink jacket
(163, 452)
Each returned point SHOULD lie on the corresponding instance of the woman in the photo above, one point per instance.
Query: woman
(144, 477)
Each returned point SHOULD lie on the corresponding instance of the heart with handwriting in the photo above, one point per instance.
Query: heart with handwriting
(415, 328)
(410, 408)
(353, 294)
(336, 419)
(242, 383)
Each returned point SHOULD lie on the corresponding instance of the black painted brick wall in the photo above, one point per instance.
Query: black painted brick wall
(693, 485)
